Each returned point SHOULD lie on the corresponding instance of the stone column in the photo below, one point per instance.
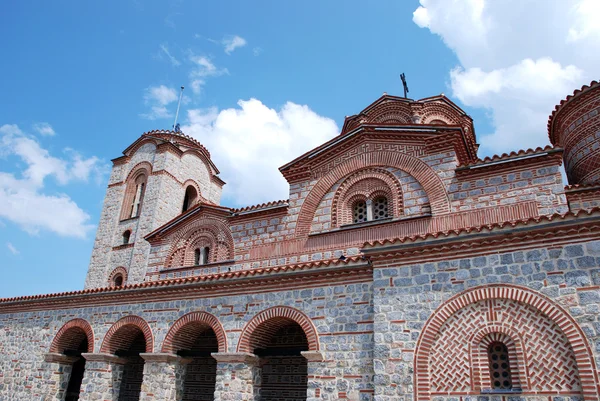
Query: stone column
(59, 369)
(238, 376)
(318, 376)
(163, 377)
(102, 377)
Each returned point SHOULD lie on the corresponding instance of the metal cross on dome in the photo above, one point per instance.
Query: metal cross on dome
(403, 78)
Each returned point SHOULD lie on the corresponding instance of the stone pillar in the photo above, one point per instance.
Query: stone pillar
(238, 376)
(163, 377)
(318, 376)
(59, 368)
(102, 377)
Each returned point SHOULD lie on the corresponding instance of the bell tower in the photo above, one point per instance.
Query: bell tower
(161, 175)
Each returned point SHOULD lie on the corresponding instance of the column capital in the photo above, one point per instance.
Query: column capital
(313, 356)
(164, 357)
(101, 357)
(59, 358)
(244, 357)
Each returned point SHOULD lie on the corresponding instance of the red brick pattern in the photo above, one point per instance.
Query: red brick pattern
(554, 345)
(259, 331)
(426, 176)
(139, 173)
(71, 334)
(122, 334)
(186, 329)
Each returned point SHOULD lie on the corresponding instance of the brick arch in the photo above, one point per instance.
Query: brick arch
(423, 173)
(118, 270)
(439, 111)
(391, 188)
(123, 332)
(269, 321)
(193, 183)
(184, 331)
(71, 334)
(555, 313)
(145, 167)
(510, 337)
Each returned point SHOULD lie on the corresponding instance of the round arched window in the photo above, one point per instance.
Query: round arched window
(359, 211)
(499, 366)
(118, 280)
(380, 208)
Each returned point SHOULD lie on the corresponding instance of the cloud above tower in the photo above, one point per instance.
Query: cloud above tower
(251, 141)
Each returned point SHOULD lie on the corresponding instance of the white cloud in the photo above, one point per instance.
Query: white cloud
(22, 199)
(231, 43)
(203, 68)
(157, 98)
(250, 142)
(12, 248)
(518, 59)
(44, 129)
(172, 59)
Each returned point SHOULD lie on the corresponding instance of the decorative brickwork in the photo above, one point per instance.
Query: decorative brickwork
(115, 274)
(71, 335)
(259, 331)
(551, 341)
(367, 184)
(123, 333)
(184, 331)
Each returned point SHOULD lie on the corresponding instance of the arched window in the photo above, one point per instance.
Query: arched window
(499, 366)
(380, 208)
(196, 256)
(126, 237)
(190, 198)
(134, 196)
(118, 280)
(359, 211)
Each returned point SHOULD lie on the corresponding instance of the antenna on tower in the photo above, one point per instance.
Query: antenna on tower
(175, 125)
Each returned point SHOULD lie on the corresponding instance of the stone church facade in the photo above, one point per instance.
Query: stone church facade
(402, 267)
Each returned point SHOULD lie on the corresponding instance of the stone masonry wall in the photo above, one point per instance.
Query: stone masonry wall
(342, 316)
(407, 294)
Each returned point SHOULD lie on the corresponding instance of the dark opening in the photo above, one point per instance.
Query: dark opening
(118, 280)
(284, 369)
(133, 370)
(499, 366)
(77, 371)
(201, 373)
(126, 236)
(189, 198)
(197, 257)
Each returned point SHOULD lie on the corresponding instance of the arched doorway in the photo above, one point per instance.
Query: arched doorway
(195, 337)
(283, 368)
(127, 339)
(72, 340)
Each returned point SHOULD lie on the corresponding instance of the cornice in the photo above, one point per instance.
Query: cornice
(513, 158)
(305, 275)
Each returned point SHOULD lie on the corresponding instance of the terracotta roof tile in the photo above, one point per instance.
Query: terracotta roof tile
(508, 156)
(253, 208)
(486, 227)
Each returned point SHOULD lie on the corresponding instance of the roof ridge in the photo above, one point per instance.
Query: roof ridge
(281, 202)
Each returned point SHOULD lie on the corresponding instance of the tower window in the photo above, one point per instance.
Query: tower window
(118, 280)
(499, 366)
(126, 237)
(134, 196)
(189, 198)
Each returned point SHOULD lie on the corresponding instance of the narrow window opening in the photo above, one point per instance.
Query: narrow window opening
(499, 366)
(190, 198)
(380, 208)
(197, 257)
(126, 237)
(359, 212)
(118, 280)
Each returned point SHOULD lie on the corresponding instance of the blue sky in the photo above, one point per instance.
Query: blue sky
(264, 82)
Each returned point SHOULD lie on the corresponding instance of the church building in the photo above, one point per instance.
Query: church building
(402, 267)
